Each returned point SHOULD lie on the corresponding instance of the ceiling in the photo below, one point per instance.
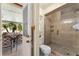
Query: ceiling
(45, 5)
(42, 5)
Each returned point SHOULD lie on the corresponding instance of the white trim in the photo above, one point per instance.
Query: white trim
(36, 33)
(53, 7)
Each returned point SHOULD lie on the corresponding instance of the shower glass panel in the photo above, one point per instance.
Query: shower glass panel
(65, 34)
(68, 34)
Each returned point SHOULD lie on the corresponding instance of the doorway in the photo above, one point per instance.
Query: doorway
(11, 28)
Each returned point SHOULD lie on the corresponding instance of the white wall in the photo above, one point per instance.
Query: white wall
(0, 34)
(11, 12)
(41, 26)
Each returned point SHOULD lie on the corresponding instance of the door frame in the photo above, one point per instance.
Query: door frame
(33, 26)
(36, 18)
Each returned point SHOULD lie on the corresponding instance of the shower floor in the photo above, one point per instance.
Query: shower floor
(61, 50)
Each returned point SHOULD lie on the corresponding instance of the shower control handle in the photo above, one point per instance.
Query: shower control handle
(28, 41)
(57, 32)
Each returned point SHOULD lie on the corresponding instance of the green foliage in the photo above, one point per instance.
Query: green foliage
(19, 26)
(5, 26)
(12, 26)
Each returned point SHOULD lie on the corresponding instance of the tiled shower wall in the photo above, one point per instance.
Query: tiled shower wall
(47, 33)
(67, 39)
(63, 38)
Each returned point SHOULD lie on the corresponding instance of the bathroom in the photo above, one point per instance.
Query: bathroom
(61, 30)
